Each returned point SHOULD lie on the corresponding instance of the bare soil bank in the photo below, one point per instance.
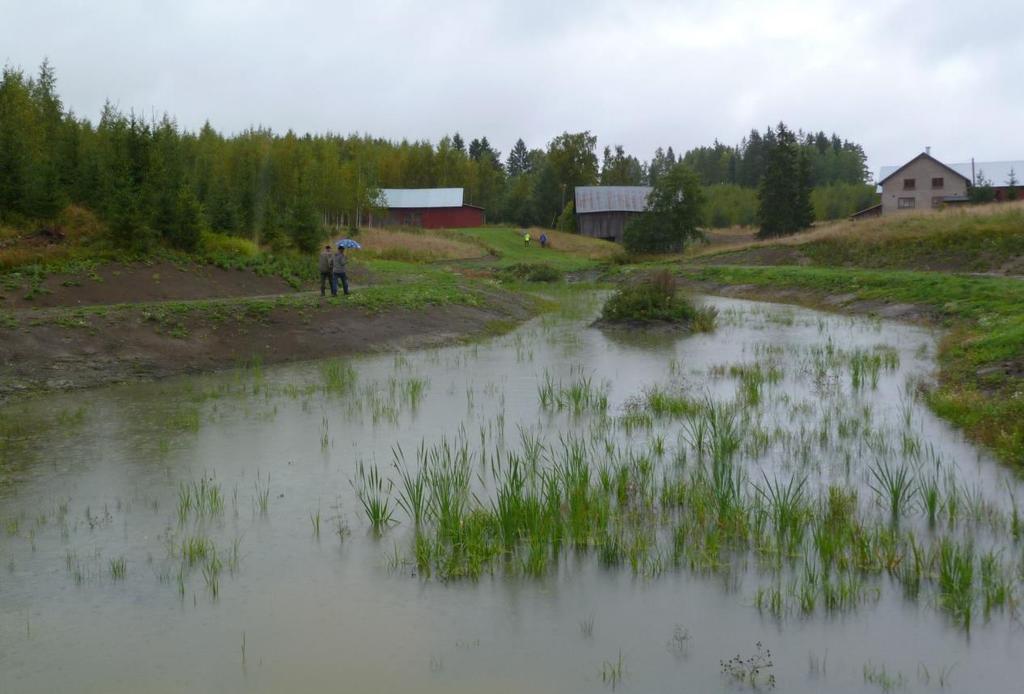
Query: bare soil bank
(849, 303)
(121, 283)
(128, 345)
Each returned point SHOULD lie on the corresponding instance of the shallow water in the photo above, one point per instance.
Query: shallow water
(95, 476)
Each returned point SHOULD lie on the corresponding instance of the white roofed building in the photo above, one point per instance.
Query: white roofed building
(428, 208)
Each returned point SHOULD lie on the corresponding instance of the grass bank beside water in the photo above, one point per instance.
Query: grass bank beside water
(981, 359)
(984, 239)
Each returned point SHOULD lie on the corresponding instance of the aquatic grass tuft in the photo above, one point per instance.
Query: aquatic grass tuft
(613, 671)
(118, 569)
(337, 377)
(204, 498)
(956, 580)
(196, 549)
(314, 519)
(412, 495)
(580, 396)
(262, 498)
(882, 678)
(894, 486)
(374, 494)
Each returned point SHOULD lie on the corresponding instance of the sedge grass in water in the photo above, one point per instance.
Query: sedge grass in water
(711, 518)
(555, 499)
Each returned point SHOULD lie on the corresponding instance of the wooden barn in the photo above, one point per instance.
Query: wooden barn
(428, 208)
(602, 212)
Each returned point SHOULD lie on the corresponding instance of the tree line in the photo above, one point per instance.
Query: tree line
(150, 179)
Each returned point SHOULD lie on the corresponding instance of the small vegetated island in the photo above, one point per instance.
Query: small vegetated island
(655, 301)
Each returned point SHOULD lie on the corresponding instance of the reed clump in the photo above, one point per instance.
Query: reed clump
(655, 298)
(524, 509)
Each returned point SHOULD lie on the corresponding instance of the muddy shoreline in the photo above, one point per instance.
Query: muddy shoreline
(836, 303)
(123, 346)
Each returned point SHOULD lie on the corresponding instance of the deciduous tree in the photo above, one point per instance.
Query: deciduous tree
(675, 212)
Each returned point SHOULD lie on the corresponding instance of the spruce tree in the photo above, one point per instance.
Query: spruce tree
(518, 159)
(981, 191)
(784, 195)
(803, 210)
(188, 221)
(304, 226)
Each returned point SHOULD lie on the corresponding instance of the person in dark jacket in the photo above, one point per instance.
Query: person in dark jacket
(339, 268)
(326, 269)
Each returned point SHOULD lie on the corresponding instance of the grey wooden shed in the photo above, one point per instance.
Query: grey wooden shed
(602, 212)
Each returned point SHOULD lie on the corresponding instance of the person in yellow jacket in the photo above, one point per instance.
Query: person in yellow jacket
(526, 238)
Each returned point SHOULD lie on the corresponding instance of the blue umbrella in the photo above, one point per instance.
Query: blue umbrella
(348, 243)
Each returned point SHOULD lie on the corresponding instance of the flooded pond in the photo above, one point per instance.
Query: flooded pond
(555, 510)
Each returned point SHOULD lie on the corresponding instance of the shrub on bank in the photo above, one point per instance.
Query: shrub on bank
(656, 298)
(526, 272)
(212, 243)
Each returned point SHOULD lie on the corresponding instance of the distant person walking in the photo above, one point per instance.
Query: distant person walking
(326, 270)
(543, 240)
(339, 267)
(526, 238)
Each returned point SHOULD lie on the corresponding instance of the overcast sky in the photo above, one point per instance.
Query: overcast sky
(894, 76)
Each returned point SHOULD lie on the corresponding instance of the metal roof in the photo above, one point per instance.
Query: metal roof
(995, 171)
(399, 198)
(611, 198)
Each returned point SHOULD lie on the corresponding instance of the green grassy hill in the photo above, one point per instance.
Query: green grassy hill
(567, 252)
(979, 239)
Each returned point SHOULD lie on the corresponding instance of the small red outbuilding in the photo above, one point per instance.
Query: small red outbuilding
(429, 208)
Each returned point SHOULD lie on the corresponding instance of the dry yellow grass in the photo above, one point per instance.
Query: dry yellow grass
(416, 246)
(905, 225)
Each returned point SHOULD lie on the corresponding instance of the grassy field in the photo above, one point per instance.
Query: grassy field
(417, 246)
(981, 360)
(568, 252)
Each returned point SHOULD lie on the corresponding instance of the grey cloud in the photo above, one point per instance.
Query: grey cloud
(893, 76)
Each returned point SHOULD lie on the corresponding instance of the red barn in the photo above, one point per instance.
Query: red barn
(429, 208)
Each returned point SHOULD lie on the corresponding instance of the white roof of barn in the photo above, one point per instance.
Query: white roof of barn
(611, 198)
(995, 171)
(398, 198)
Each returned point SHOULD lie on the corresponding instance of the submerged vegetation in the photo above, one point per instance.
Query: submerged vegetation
(980, 382)
(857, 503)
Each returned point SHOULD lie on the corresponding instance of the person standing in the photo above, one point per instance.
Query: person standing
(526, 238)
(339, 268)
(326, 270)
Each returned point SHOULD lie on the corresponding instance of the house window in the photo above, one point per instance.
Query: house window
(938, 183)
(906, 203)
(909, 184)
(937, 200)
